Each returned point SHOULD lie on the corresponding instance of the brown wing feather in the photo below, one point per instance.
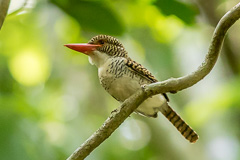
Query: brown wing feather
(143, 71)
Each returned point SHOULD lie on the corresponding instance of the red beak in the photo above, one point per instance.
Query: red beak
(83, 47)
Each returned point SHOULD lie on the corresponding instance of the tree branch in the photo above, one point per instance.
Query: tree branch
(230, 56)
(170, 85)
(4, 4)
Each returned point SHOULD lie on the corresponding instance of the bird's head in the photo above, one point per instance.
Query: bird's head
(100, 48)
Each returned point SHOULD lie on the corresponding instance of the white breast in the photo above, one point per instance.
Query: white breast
(124, 87)
(119, 87)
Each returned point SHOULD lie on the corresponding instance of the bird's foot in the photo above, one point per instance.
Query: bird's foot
(173, 92)
(143, 86)
(114, 111)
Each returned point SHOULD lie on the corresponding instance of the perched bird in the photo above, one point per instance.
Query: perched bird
(121, 77)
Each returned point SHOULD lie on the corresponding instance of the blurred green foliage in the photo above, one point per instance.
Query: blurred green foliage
(94, 15)
(51, 100)
(185, 12)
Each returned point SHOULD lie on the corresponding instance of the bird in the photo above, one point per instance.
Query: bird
(121, 77)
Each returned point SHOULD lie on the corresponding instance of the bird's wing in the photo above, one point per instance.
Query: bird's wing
(138, 68)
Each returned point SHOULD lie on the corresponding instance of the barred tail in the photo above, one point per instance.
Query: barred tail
(179, 123)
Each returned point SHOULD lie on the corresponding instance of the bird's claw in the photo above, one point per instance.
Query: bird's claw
(173, 92)
(114, 111)
(143, 86)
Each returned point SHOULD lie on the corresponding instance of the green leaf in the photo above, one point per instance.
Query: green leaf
(93, 15)
(184, 11)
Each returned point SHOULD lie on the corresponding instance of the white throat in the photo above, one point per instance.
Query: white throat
(98, 58)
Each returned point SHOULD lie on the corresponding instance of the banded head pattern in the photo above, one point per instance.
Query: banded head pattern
(109, 45)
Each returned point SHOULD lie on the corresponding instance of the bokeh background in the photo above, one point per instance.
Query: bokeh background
(51, 100)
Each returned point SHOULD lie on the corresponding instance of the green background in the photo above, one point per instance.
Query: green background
(51, 100)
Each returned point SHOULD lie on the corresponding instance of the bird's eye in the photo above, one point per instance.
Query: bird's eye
(101, 42)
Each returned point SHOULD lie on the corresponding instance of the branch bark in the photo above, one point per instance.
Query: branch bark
(212, 17)
(171, 85)
(4, 4)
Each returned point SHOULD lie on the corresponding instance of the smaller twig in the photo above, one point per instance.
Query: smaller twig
(4, 4)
